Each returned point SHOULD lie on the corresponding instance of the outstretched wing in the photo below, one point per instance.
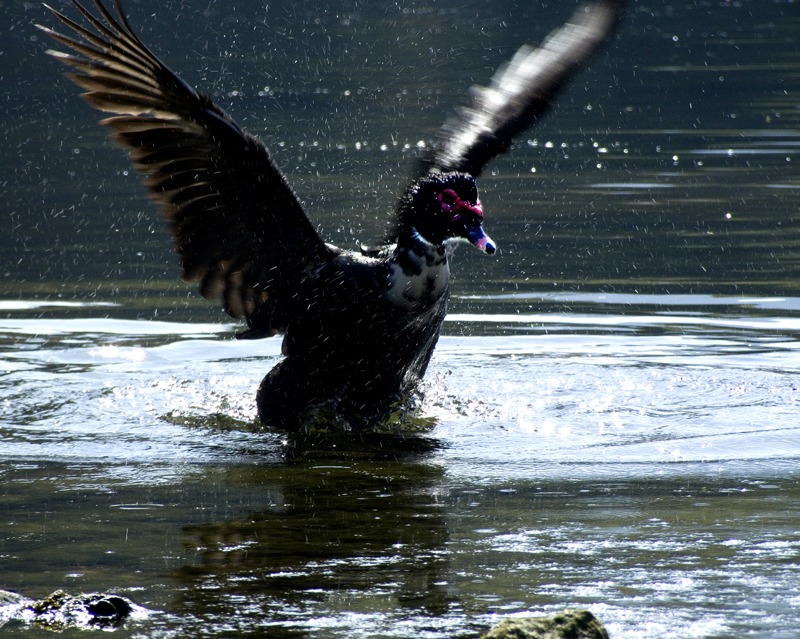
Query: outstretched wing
(520, 92)
(238, 228)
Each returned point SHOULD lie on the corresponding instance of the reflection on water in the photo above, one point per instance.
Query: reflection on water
(401, 549)
(615, 398)
(315, 558)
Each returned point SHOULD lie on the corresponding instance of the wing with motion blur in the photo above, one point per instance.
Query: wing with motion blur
(520, 91)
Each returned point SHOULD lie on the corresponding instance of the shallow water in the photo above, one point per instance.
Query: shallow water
(614, 401)
(643, 466)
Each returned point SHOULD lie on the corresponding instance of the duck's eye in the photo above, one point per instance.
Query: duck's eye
(449, 201)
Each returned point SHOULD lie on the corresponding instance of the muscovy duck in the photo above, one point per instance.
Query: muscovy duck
(359, 326)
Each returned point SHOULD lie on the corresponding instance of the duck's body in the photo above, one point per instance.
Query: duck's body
(359, 327)
(364, 340)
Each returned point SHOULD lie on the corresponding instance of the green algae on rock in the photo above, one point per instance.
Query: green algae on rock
(568, 624)
(60, 610)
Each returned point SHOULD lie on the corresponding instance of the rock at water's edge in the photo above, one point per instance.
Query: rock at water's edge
(568, 624)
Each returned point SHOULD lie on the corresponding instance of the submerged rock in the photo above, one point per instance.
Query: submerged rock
(568, 624)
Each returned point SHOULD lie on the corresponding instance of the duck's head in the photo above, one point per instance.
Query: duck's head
(443, 207)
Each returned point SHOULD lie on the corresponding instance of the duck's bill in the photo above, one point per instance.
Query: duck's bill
(480, 240)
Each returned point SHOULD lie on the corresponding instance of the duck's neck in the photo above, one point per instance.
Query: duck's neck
(419, 273)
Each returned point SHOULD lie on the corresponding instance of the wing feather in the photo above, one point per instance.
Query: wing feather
(239, 230)
(520, 91)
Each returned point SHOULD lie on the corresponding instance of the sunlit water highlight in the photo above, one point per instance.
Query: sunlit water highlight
(562, 387)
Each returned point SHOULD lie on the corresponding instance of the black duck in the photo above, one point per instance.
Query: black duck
(359, 326)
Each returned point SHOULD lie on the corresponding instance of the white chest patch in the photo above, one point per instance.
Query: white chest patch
(418, 279)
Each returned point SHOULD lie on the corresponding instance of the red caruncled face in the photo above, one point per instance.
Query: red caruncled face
(465, 220)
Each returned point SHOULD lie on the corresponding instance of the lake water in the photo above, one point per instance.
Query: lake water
(615, 403)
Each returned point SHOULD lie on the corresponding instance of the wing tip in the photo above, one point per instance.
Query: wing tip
(521, 90)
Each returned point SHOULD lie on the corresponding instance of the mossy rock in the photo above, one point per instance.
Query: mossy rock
(568, 624)
(60, 610)
(85, 610)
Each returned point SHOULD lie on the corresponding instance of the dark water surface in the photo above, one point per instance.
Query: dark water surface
(615, 402)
